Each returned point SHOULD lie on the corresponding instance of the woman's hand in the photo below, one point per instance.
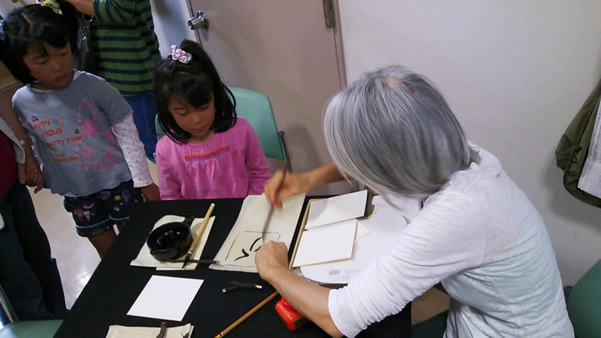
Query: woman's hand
(151, 192)
(293, 184)
(306, 297)
(271, 258)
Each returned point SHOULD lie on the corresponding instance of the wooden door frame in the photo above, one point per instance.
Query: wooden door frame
(339, 47)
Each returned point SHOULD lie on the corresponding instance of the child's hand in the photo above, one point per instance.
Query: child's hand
(150, 192)
(30, 173)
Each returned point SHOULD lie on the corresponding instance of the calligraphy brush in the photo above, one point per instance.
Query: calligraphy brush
(271, 209)
(201, 229)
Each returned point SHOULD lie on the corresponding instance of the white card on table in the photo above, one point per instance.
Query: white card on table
(328, 243)
(336, 209)
(165, 297)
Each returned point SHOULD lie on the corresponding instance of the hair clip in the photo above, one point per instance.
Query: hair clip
(180, 55)
(52, 4)
(2, 34)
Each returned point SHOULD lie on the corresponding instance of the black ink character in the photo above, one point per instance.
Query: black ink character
(246, 254)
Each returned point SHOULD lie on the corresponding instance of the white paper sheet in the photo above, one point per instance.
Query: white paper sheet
(145, 259)
(361, 231)
(384, 227)
(120, 331)
(165, 297)
(237, 253)
(328, 243)
(337, 209)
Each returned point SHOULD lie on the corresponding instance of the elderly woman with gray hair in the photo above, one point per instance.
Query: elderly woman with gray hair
(477, 233)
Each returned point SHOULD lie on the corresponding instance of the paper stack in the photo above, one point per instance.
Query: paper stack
(331, 229)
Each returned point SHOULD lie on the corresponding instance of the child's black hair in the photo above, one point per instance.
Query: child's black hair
(194, 83)
(35, 25)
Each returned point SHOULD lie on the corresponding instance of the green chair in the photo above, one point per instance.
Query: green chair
(14, 328)
(157, 125)
(256, 108)
(584, 303)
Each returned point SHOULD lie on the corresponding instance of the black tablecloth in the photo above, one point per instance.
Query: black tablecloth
(115, 285)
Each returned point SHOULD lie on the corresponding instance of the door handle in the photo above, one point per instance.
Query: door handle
(199, 21)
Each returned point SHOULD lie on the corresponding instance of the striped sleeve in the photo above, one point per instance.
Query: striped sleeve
(114, 11)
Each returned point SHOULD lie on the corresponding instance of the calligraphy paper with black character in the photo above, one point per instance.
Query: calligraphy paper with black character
(238, 250)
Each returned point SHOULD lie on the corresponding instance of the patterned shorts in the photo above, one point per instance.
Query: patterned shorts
(97, 213)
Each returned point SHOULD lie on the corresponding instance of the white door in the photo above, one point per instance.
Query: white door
(284, 50)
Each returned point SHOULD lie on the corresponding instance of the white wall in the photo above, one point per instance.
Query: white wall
(514, 72)
(6, 6)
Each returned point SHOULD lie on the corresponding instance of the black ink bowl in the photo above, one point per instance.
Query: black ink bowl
(171, 240)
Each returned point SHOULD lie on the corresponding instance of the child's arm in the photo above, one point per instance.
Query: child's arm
(169, 184)
(28, 168)
(256, 162)
(133, 151)
(119, 116)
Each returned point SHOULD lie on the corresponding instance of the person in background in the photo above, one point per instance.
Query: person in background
(477, 233)
(126, 50)
(210, 152)
(28, 273)
(82, 127)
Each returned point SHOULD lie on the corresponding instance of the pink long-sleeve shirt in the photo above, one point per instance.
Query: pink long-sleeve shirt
(230, 165)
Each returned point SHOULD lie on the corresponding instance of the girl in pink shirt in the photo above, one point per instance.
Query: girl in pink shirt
(209, 152)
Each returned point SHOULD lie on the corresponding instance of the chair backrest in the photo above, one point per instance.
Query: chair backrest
(12, 327)
(584, 303)
(157, 125)
(31, 328)
(256, 108)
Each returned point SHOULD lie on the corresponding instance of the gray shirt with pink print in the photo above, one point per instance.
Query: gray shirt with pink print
(72, 131)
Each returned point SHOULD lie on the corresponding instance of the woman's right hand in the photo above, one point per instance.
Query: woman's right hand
(293, 184)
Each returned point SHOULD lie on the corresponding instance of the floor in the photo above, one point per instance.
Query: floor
(77, 258)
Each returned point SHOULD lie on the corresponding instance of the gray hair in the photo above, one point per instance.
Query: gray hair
(394, 132)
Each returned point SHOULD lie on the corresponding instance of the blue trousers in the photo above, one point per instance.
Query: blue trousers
(144, 115)
(28, 274)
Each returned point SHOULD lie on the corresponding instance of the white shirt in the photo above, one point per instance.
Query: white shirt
(483, 239)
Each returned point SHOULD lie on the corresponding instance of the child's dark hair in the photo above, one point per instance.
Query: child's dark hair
(194, 83)
(35, 25)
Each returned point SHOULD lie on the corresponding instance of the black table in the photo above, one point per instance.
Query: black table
(115, 285)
